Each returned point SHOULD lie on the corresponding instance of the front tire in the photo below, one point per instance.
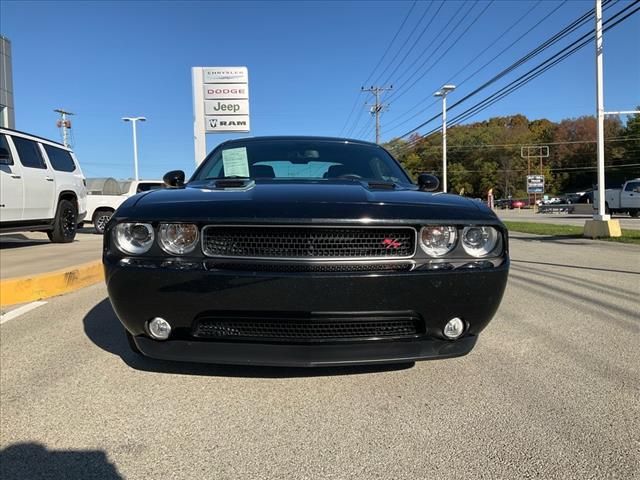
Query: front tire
(100, 219)
(65, 223)
(634, 213)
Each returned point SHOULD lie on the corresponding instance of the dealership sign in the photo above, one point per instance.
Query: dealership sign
(226, 107)
(535, 183)
(226, 124)
(220, 103)
(223, 92)
(215, 75)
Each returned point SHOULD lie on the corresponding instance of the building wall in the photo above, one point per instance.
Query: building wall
(7, 113)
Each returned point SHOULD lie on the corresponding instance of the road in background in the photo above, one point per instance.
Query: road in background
(550, 391)
(31, 253)
(527, 215)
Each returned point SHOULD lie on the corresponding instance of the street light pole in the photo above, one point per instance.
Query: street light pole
(133, 121)
(443, 93)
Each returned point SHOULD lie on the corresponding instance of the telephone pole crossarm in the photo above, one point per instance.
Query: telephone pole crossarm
(64, 124)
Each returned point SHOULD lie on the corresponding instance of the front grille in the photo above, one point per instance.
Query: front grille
(311, 267)
(323, 243)
(307, 329)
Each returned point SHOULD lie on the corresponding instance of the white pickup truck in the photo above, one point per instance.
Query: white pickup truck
(621, 200)
(101, 203)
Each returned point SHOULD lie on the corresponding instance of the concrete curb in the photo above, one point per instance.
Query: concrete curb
(44, 285)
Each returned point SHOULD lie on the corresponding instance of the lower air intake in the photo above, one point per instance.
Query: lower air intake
(307, 329)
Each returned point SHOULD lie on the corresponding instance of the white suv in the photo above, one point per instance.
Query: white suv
(42, 187)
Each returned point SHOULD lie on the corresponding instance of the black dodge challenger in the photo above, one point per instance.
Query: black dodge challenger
(303, 251)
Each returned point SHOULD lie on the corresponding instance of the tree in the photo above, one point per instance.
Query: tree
(459, 178)
(486, 154)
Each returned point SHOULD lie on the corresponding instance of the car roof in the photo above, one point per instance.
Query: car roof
(278, 138)
(12, 131)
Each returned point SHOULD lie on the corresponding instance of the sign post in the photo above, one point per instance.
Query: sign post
(529, 152)
(220, 104)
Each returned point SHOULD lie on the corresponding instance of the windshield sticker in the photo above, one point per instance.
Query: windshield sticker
(236, 162)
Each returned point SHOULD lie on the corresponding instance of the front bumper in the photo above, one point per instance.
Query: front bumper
(182, 295)
(311, 355)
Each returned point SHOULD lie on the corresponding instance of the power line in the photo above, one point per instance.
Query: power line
(558, 169)
(353, 109)
(354, 125)
(368, 133)
(437, 35)
(377, 80)
(392, 41)
(518, 145)
(537, 71)
(381, 75)
(415, 43)
(379, 62)
(613, 165)
(366, 129)
(529, 76)
(403, 90)
(545, 45)
(476, 57)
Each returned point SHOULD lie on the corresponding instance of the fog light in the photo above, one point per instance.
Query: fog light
(159, 328)
(454, 328)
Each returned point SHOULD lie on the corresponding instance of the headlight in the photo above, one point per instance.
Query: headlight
(438, 240)
(479, 241)
(133, 238)
(178, 238)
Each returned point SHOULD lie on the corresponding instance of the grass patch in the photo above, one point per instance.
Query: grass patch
(551, 230)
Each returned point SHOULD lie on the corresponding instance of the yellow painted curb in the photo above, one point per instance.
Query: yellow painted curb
(44, 285)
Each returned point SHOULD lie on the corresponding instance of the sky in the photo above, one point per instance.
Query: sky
(307, 61)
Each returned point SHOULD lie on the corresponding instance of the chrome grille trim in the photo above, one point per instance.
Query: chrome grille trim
(390, 258)
(331, 267)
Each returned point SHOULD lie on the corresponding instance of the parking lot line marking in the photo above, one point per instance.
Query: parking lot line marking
(20, 311)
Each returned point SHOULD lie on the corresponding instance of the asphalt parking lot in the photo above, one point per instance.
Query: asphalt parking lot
(550, 391)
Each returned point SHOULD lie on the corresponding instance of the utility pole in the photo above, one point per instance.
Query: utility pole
(64, 124)
(602, 224)
(601, 215)
(377, 107)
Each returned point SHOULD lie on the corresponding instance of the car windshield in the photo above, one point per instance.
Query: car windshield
(301, 160)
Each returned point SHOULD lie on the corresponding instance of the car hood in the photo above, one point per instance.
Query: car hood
(270, 201)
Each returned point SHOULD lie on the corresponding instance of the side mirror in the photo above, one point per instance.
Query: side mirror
(174, 178)
(428, 182)
(5, 157)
